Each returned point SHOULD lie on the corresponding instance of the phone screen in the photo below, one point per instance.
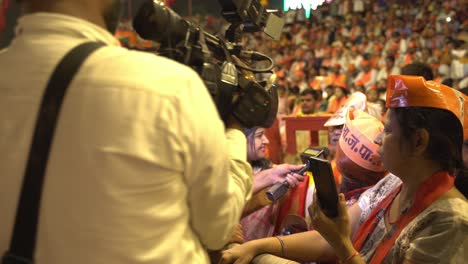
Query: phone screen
(325, 186)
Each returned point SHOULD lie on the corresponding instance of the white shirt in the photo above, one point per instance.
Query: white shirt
(383, 74)
(140, 170)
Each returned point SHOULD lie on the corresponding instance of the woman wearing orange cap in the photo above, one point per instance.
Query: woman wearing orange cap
(416, 215)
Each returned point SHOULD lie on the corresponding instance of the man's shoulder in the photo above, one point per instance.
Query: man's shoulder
(147, 78)
(149, 62)
(142, 68)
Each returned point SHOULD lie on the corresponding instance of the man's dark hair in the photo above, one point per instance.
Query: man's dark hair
(418, 69)
(390, 58)
(464, 91)
(448, 82)
(312, 92)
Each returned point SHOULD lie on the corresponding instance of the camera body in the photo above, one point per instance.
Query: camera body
(217, 60)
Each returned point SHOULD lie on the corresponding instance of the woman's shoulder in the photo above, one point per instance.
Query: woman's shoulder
(452, 205)
(374, 195)
(442, 226)
(381, 189)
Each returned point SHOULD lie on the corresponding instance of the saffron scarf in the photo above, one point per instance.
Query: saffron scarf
(429, 191)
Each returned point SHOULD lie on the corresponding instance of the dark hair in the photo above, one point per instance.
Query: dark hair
(464, 90)
(446, 138)
(345, 91)
(446, 134)
(418, 69)
(262, 164)
(390, 58)
(312, 92)
(461, 182)
(250, 135)
(448, 82)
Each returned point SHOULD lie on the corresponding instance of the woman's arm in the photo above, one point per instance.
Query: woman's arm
(278, 173)
(307, 246)
(302, 247)
(337, 231)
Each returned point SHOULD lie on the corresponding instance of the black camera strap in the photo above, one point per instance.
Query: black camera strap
(24, 236)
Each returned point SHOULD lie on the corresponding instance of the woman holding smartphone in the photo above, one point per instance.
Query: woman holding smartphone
(414, 215)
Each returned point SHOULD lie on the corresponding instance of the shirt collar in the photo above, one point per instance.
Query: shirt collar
(60, 24)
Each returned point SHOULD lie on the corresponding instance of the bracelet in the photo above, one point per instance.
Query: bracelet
(283, 254)
(350, 257)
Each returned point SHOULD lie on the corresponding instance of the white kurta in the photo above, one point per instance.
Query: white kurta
(141, 169)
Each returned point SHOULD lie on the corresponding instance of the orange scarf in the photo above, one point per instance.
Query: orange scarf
(431, 190)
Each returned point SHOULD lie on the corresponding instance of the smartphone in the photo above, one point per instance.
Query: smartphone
(325, 185)
(314, 152)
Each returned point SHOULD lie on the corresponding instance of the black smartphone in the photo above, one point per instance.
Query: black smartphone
(325, 185)
(314, 152)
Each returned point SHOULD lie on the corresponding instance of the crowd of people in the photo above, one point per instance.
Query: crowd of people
(143, 170)
(349, 46)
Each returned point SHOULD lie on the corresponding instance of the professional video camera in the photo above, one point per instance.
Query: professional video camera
(221, 62)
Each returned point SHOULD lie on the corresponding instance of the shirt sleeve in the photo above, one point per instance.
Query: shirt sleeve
(218, 176)
(442, 239)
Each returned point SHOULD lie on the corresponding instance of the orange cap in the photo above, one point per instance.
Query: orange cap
(351, 67)
(408, 91)
(357, 139)
(394, 47)
(300, 73)
(365, 62)
(280, 74)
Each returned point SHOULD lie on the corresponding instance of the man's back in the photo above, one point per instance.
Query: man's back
(130, 167)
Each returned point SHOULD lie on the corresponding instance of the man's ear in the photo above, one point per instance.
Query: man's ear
(420, 141)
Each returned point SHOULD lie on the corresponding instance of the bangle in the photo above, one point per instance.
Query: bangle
(350, 257)
(283, 254)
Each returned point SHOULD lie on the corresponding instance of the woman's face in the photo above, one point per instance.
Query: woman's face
(372, 96)
(334, 134)
(256, 149)
(392, 155)
(338, 92)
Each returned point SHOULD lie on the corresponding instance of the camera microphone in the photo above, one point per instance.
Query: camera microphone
(280, 188)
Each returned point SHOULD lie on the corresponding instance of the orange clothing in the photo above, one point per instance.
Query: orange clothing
(274, 150)
(333, 78)
(335, 104)
(316, 84)
(336, 172)
(365, 77)
(127, 38)
(375, 61)
(408, 59)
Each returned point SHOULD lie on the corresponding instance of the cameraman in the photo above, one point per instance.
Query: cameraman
(141, 169)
